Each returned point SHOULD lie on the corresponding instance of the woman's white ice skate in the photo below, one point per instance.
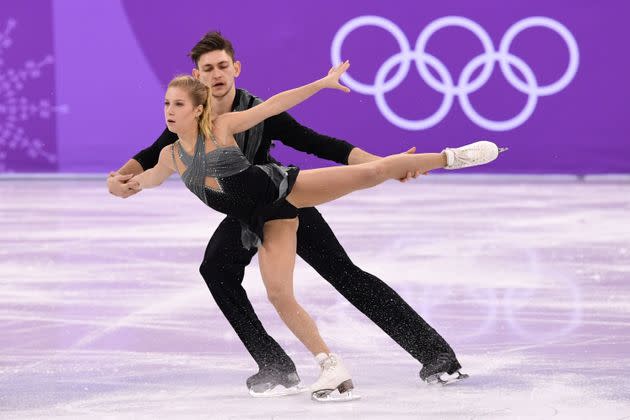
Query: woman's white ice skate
(473, 154)
(333, 377)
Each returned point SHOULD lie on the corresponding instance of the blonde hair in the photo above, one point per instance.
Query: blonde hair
(200, 95)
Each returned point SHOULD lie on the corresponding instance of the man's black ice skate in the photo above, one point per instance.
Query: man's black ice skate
(273, 382)
(444, 370)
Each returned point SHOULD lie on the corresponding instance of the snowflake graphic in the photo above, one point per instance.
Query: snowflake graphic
(16, 109)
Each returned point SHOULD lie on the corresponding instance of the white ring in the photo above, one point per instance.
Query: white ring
(464, 86)
(462, 22)
(351, 25)
(520, 118)
(394, 118)
(545, 22)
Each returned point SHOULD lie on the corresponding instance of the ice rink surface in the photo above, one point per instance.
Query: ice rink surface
(103, 313)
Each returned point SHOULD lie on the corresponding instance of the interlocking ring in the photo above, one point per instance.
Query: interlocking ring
(464, 86)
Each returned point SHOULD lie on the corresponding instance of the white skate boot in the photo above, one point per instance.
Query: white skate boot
(473, 154)
(333, 376)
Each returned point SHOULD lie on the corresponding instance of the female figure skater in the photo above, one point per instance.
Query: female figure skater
(265, 198)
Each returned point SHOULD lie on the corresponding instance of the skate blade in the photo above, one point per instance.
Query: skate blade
(278, 391)
(444, 378)
(327, 395)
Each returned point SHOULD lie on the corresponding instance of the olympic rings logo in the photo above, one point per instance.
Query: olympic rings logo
(465, 86)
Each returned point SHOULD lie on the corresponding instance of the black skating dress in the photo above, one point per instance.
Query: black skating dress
(253, 194)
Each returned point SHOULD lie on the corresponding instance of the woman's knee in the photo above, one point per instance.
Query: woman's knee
(280, 297)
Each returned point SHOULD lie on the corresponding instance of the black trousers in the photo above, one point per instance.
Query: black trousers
(223, 269)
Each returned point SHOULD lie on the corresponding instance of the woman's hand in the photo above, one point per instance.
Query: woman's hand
(117, 185)
(332, 80)
(134, 185)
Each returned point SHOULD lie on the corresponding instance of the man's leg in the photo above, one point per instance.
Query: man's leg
(319, 247)
(223, 269)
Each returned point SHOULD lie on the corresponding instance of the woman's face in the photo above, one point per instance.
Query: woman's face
(179, 112)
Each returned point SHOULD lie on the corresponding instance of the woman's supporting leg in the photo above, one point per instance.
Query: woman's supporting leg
(276, 259)
(318, 186)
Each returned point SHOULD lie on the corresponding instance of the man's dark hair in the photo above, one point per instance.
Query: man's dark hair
(212, 41)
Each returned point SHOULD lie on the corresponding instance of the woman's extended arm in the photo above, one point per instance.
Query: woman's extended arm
(155, 176)
(235, 122)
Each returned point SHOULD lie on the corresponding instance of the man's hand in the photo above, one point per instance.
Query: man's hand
(411, 175)
(117, 185)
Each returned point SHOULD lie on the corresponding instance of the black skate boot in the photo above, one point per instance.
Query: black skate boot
(443, 370)
(272, 381)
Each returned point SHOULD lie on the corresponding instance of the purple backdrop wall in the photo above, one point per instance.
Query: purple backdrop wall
(81, 83)
(27, 94)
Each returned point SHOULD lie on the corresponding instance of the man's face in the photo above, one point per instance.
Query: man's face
(217, 71)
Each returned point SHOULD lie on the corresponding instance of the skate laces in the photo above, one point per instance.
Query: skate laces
(328, 364)
(467, 155)
(472, 154)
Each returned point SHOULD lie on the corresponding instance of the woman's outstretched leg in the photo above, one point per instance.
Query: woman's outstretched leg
(318, 186)
(276, 258)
